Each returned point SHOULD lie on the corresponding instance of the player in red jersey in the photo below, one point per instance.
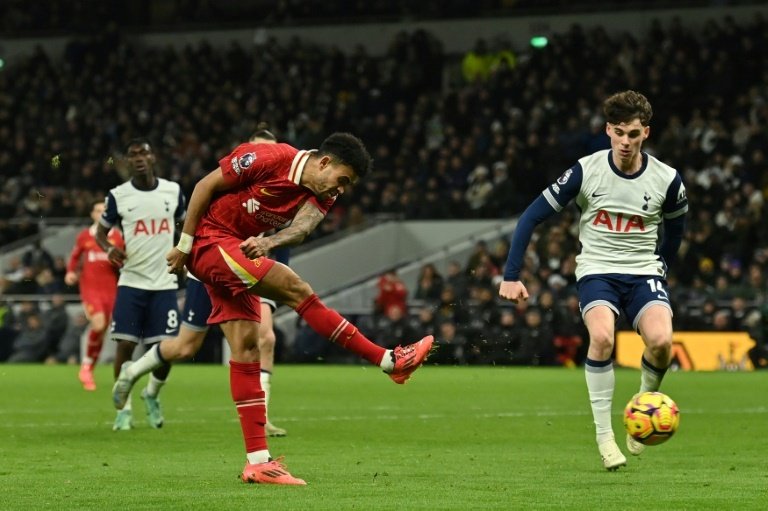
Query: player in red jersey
(98, 287)
(256, 188)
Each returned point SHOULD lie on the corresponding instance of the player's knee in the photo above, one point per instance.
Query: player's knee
(98, 324)
(659, 342)
(267, 339)
(601, 339)
(186, 351)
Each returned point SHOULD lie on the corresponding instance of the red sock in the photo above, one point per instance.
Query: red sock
(330, 324)
(245, 386)
(93, 348)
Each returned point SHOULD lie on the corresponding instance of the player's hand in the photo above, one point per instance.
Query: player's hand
(116, 256)
(70, 278)
(176, 260)
(255, 247)
(513, 290)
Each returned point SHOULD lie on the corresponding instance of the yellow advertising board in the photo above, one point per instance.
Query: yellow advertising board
(693, 351)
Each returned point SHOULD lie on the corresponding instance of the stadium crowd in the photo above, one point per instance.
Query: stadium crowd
(453, 136)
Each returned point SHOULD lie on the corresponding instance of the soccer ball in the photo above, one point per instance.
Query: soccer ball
(651, 418)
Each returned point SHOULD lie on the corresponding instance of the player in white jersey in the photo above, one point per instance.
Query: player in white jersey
(147, 207)
(623, 194)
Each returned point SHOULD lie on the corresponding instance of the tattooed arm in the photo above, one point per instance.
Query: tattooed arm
(307, 218)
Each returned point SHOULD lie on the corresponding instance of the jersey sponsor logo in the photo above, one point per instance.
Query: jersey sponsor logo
(154, 226)
(265, 191)
(555, 188)
(251, 205)
(617, 223)
(681, 196)
(565, 177)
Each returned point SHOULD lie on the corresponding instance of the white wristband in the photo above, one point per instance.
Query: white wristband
(185, 243)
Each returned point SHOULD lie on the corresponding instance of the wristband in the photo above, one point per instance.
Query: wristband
(185, 243)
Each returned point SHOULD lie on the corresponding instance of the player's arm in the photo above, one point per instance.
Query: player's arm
(70, 278)
(674, 209)
(552, 200)
(204, 191)
(306, 220)
(115, 254)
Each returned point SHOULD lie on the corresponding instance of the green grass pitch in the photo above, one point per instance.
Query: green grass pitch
(452, 438)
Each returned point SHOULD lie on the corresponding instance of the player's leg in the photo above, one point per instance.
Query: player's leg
(651, 315)
(267, 341)
(245, 386)
(197, 308)
(599, 302)
(98, 321)
(655, 327)
(160, 322)
(126, 331)
(282, 284)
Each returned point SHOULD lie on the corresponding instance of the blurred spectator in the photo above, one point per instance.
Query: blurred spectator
(31, 344)
(429, 284)
(392, 293)
(394, 328)
(68, 350)
(535, 344)
(450, 345)
(55, 322)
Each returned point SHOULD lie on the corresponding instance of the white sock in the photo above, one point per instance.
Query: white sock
(258, 457)
(387, 363)
(154, 385)
(147, 363)
(601, 381)
(266, 386)
(650, 376)
(128, 402)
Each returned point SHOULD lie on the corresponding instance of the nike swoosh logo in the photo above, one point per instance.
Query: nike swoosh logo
(597, 194)
(131, 209)
(170, 330)
(264, 191)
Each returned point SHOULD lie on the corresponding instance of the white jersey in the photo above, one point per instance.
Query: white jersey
(620, 213)
(148, 220)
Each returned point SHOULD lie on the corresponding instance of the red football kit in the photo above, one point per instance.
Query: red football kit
(98, 277)
(266, 195)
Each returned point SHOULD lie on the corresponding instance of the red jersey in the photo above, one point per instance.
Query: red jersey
(97, 272)
(267, 193)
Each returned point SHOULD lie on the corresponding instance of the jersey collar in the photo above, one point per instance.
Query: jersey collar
(297, 167)
(619, 173)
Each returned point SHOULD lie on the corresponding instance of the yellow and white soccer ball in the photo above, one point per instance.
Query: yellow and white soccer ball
(651, 418)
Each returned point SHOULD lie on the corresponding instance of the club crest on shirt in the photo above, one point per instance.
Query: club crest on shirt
(564, 178)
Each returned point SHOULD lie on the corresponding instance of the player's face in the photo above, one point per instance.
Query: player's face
(141, 159)
(626, 141)
(97, 210)
(334, 178)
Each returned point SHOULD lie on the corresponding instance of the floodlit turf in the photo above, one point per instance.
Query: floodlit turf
(452, 438)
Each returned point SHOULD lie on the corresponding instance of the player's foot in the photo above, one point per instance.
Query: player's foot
(409, 358)
(273, 430)
(122, 387)
(612, 456)
(272, 472)
(634, 447)
(154, 412)
(123, 421)
(86, 377)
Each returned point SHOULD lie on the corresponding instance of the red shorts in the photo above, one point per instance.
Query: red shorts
(94, 302)
(228, 274)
